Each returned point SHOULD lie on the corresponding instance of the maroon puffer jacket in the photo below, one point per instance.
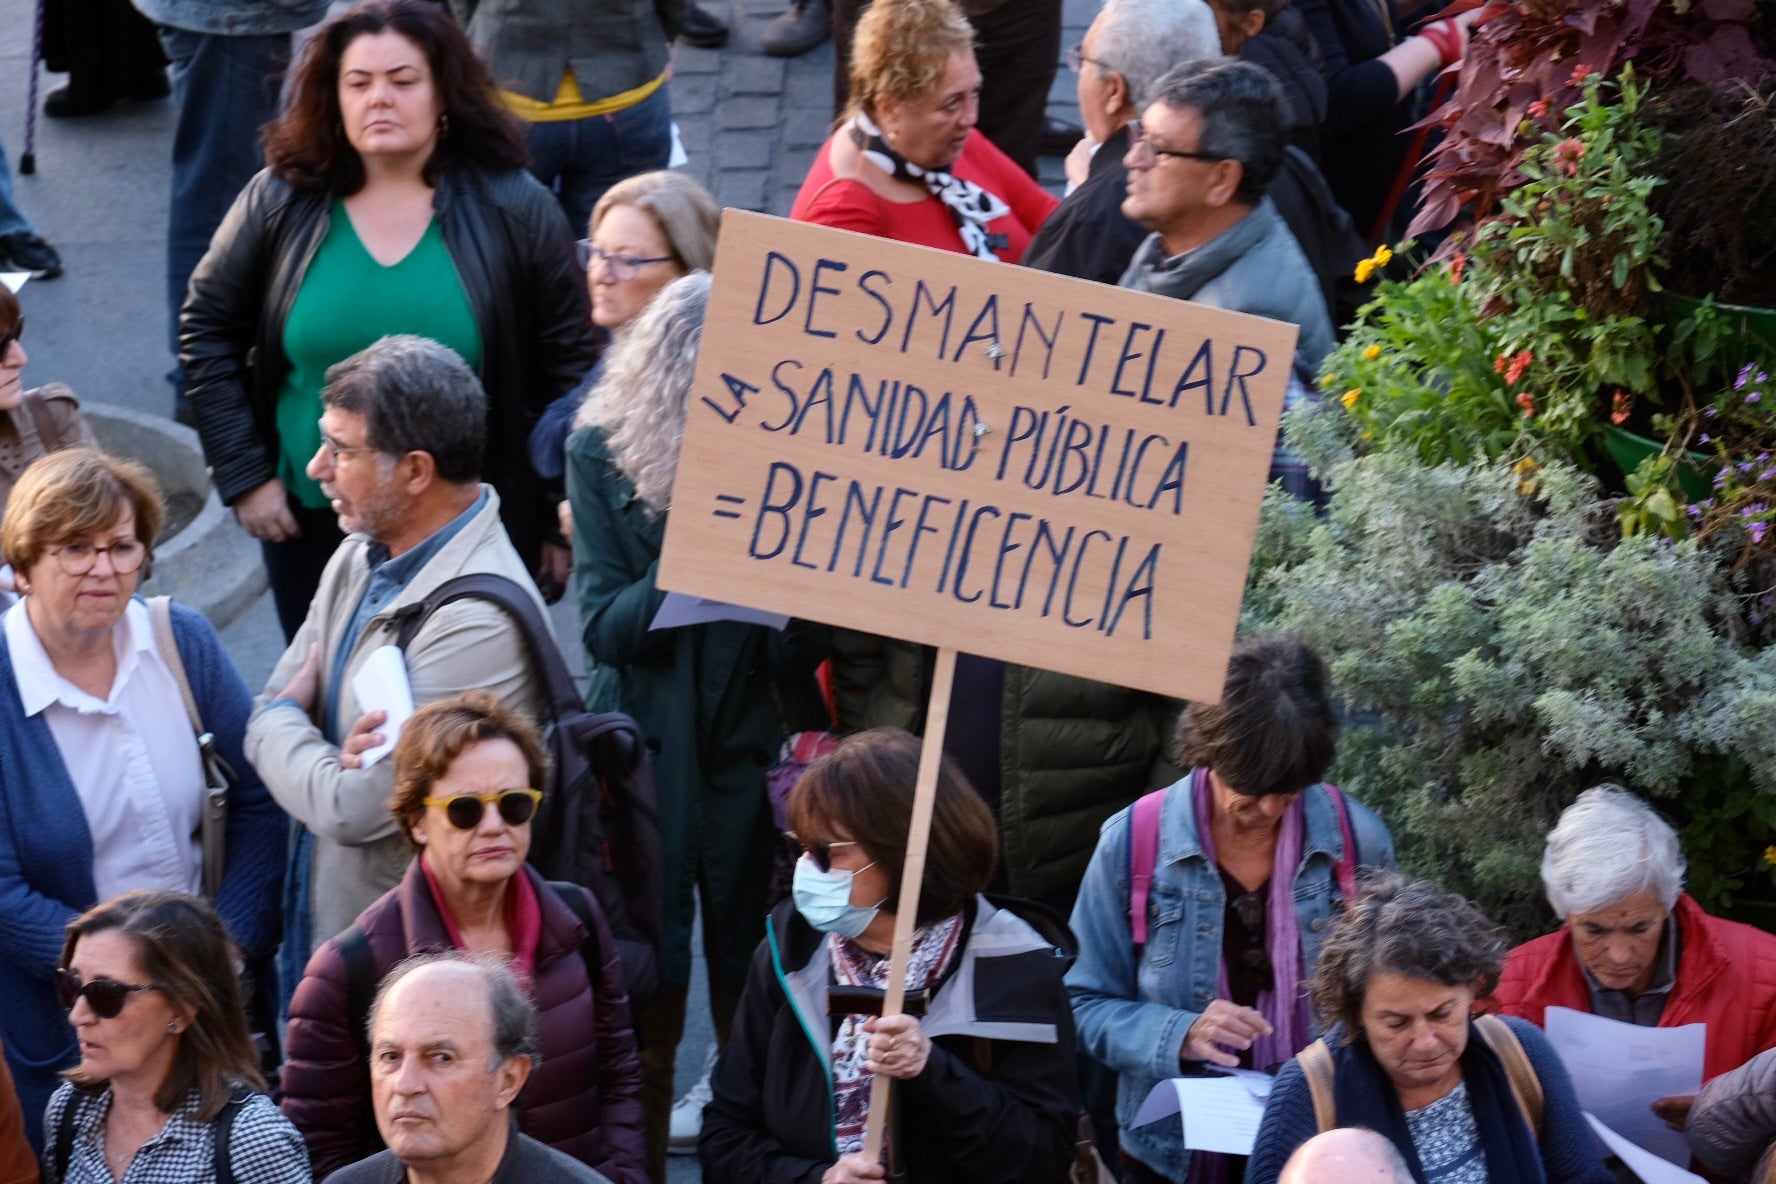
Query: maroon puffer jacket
(583, 1100)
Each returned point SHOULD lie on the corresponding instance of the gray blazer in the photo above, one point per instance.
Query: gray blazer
(612, 45)
(526, 1162)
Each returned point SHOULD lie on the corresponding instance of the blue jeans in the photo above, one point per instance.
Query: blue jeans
(226, 88)
(580, 158)
(12, 219)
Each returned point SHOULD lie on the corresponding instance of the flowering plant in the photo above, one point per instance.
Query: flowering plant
(1739, 429)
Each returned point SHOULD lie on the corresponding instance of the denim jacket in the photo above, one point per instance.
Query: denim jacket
(1133, 1017)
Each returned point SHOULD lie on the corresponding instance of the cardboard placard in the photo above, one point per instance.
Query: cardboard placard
(947, 450)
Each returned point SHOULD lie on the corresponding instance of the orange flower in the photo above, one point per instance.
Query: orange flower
(1539, 108)
(1526, 401)
(1458, 263)
(1518, 365)
(1499, 363)
(1579, 73)
(1620, 407)
(1567, 155)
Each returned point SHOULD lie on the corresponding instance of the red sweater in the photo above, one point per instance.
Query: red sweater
(852, 205)
(1726, 978)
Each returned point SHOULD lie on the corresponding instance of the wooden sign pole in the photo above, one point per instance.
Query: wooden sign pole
(937, 718)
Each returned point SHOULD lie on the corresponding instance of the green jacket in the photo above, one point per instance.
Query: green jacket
(715, 701)
(1073, 751)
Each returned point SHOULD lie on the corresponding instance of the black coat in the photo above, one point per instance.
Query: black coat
(511, 247)
(1010, 1121)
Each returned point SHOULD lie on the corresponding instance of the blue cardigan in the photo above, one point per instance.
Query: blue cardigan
(46, 858)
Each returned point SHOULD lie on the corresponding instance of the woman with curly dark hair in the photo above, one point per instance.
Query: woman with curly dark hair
(1464, 1101)
(395, 201)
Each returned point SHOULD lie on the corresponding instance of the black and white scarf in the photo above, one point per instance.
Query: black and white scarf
(971, 206)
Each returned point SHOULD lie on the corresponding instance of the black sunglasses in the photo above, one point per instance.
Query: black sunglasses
(819, 850)
(106, 996)
(465, 810)
(6, 339)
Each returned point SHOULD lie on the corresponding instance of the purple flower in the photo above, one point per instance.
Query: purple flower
(1704, 438)
(1694, 511)
(1754, 619)
(1708, 411)
(1720, 478)
(1757, 530)
(1754, 396)
(1767, 474)
(1744, 377)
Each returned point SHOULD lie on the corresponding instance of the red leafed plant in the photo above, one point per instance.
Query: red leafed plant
(1526, 61)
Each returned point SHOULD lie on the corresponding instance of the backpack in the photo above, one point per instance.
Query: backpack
(1318, 1070)
(361, 981)
(222, 1124)
(597, 825)
(1144, 855)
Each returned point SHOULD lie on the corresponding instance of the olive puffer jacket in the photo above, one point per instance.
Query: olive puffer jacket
(512, 248)
(1072, 752)
(584, 1099)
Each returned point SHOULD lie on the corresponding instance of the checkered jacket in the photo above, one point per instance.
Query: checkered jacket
(263, 1148)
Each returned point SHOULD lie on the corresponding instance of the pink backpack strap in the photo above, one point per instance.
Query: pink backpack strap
(1143, 859)
(1346, 868)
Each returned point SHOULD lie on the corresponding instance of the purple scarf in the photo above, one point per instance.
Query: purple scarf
(1285, 1004)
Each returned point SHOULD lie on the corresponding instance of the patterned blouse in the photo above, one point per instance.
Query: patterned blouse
(263, 1147)
(1448, 1140)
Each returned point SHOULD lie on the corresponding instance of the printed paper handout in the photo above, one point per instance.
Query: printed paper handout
(1214, 1113)
(1619, 1070)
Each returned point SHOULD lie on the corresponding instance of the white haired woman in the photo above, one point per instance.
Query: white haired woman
(716, 700)
(1635, 947)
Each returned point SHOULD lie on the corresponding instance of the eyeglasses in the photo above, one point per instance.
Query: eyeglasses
(106, 996)
(1076, 59)
(77, 559)
(466, 810)
(819, 850)
(1146, 155)
(6, 339)
(335, 449)
(623, 267)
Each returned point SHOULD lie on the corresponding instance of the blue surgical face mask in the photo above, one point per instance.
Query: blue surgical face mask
(824, 899)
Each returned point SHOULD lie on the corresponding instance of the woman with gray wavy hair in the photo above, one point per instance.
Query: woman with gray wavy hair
(1403, 1056)
(715, 699)
(1635, 947)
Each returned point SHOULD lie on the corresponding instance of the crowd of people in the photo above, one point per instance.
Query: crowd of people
(240, 941)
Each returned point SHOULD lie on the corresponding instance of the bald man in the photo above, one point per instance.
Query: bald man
(1348, 1155)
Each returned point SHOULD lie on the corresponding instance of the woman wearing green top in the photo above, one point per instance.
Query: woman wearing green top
(395, 201)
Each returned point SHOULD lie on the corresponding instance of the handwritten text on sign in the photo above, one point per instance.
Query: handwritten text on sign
(956, 452)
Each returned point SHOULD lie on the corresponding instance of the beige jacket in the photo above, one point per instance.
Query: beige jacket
(467, 645)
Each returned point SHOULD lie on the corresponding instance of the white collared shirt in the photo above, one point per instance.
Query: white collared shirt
(132, 757)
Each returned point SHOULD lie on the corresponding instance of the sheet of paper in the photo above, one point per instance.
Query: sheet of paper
(1649, 1167)
(679, 609)
(1256, 1081)
(381, 685)
(14, 279)
(678, 157)
(1619, 1070)
(1214, 1113)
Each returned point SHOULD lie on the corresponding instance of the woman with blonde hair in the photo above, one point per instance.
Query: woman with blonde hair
(646, 231)
(715, 700)
(906, 163)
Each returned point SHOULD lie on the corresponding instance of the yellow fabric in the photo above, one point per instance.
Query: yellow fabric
(568, 104)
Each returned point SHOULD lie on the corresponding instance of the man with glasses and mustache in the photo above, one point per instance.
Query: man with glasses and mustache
(1199, 162)
(402, 437)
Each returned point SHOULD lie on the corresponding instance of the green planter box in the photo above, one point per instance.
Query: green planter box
(1695, 476)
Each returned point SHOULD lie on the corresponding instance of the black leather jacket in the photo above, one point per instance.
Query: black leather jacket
(514, 253)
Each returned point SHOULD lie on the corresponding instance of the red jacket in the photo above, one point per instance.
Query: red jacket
(584, 1099)
(1726, 978)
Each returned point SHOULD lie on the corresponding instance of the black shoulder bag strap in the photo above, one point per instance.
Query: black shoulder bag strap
(223, 1127)
(360, 993)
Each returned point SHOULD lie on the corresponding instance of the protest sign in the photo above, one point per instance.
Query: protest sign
(946, 450)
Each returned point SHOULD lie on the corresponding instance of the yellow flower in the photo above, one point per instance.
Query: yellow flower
(1368, 267)
(1526, 470)
(1372, 353)
(1351, 396)
(1770, 856)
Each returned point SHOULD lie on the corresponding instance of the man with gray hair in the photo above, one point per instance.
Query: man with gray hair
(402, 434)
(452, 1042)
(1635, 947)
(1200, 159)
(1129, 46)
(1346, 1155)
